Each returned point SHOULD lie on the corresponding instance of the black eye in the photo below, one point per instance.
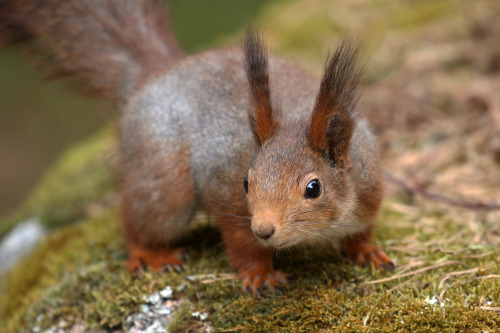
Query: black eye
(245, 184)
(313, 189)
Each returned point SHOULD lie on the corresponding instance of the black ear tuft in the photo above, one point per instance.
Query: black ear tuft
(262, 120)
(333, 118)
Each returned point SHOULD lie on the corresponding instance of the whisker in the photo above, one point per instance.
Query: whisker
(317, 232)
(239, 216)
(336, 224)
(295, 214)
(331, 225)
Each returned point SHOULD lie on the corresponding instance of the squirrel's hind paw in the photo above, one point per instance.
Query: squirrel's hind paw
(255, 281)
(159, 260)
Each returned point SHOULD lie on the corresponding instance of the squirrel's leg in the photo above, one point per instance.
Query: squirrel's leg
(250, 258)
(360, 249)
(359, 246)
(158, 202)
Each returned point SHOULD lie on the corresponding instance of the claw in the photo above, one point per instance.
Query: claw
(257, 293)
(256, 281)
(179, 268)
(389, 267)
(277, 291)
(290, 279)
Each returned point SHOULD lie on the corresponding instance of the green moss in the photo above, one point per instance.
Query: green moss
(78, 275)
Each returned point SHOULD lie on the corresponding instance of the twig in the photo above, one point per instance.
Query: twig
(413, 189)
(407, 267)
(453, 285)
(210, 278)
(222, 278)
(418, 271)
(402, 284)
(490, 276)
(447, 240)
(490, 308)
(449, 275)
(476, 256)
(450, 251)
(407, 249)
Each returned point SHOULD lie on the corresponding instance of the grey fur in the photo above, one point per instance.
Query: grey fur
(201, 104)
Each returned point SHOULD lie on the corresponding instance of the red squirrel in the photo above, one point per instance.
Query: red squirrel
(276, 157)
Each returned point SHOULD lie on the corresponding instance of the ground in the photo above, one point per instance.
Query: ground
(431, 94)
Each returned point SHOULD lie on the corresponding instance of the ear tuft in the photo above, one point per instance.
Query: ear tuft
(262, 120)
(333, 118)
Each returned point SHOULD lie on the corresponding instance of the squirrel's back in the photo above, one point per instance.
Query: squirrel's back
(202, 104)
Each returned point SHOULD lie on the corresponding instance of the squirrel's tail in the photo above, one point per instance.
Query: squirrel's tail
(110, 47)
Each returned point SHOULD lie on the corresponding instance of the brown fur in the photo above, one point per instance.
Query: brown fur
(262, 118)
(360, 249)
(90, 41)
(145, 225)
(193, 128)
(333, 117)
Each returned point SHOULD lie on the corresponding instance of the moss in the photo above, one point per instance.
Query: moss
(77, 275)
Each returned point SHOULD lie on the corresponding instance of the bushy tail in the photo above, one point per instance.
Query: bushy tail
(110, 47)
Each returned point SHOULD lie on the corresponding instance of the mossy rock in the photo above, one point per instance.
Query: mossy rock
(77, 275)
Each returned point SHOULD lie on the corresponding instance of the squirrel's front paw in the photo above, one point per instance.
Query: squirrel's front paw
(256, 280)
(158, 260)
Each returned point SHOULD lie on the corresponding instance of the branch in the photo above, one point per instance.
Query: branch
(418, 271)
(415, 189)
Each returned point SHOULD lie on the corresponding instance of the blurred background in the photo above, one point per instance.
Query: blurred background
(430, 91)
(40, 118)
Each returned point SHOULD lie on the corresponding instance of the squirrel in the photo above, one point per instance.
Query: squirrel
(276, 157)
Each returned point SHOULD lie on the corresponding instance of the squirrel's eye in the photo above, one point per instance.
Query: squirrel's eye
(245, 184)
(313, 189)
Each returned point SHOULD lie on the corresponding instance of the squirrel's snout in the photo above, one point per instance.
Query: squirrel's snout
(264, 224)
(264, 232)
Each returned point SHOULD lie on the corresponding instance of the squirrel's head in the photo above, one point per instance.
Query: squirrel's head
(298, 186)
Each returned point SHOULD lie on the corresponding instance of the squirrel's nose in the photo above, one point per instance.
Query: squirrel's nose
(264, 232)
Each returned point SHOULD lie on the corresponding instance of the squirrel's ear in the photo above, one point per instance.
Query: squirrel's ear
(261, 116)
(333, 118)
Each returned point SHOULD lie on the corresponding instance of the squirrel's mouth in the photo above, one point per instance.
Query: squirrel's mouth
(278, 238)
(275, 243)
(284, 244)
